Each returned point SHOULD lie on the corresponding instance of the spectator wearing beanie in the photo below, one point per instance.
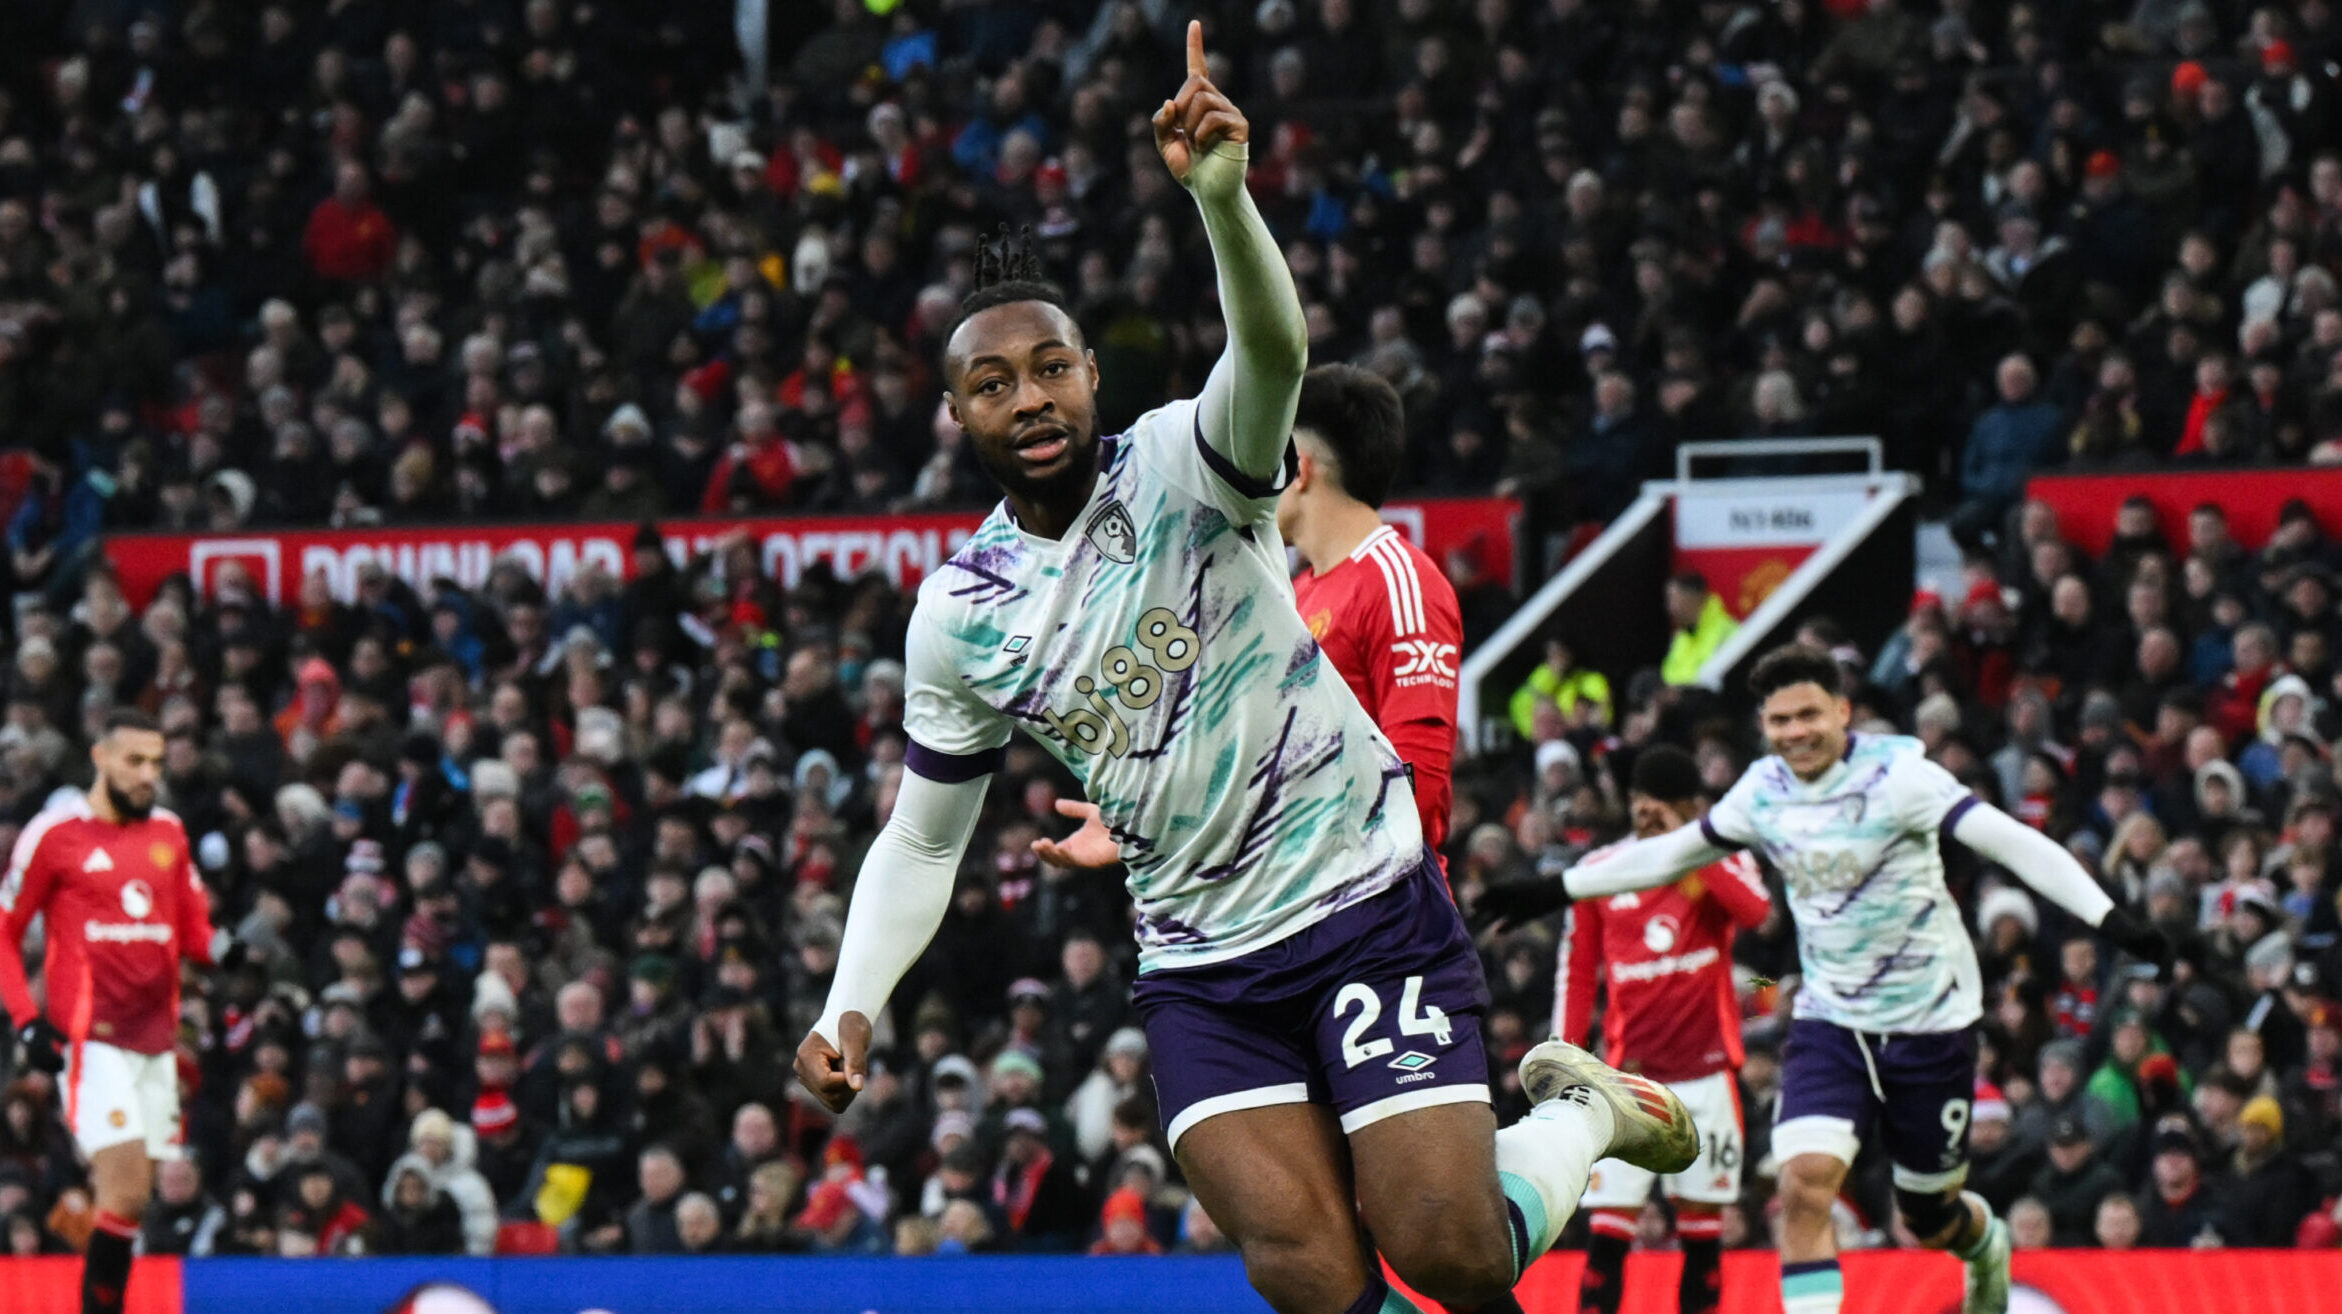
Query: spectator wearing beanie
(2073, 1181)
(2181, 1209)
(2000, 1168)
(2268, 1191)
(1036, 1190)
(1122, 1225)
(507, 1148)
(448, 1152)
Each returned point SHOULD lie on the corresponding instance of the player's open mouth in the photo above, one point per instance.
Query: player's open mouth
(1043, 447)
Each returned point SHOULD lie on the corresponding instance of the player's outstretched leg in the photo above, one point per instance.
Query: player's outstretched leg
(1584, 1110)
(1650, 1128)
(1424, 1174)
(1277, 1181)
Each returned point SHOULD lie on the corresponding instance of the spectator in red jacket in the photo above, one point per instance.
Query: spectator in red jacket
(755, 472)
(349, 238)
(2236, 703)
(2213, 378)
(318, 1210)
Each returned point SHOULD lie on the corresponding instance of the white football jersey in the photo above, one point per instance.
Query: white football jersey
(1879, 937)
(1155, 650)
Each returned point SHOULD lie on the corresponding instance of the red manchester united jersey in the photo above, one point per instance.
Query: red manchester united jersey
(1667, 954)
(122, 904)
(1389, 622)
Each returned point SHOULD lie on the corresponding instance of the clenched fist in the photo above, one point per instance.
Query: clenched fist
(835, 1073)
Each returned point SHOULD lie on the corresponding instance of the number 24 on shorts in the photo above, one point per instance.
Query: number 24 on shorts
(1415, 1019)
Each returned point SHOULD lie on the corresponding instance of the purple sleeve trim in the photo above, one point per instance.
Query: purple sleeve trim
(1236, 478)
(949, 768)
(1952, 818)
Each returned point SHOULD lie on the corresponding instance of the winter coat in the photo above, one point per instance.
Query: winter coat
(460, 1180)
(2007, 444)
(437, 1228)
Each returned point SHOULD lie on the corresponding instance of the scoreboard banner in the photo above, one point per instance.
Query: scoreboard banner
(905, 548)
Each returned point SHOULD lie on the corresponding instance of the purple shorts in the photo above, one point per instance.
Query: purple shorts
(1918, 1088)
(1373, 1011)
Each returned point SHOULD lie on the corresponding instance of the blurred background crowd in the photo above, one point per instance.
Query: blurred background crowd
(548, 887)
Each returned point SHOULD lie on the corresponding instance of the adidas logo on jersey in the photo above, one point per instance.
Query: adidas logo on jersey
(97, 861)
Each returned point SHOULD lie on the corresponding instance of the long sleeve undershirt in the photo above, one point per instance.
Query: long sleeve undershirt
(1247, 404)
(904, 889)
(2035, 859)
(1993, 834)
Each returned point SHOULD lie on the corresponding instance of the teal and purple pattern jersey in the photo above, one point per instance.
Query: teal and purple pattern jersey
(1879, 937)
(1155, 650)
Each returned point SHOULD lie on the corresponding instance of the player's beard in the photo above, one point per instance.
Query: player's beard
(1070, 483)
(126, 808)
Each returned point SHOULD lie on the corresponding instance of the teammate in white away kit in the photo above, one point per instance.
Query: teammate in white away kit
(1883, 1029)
(1309, 991)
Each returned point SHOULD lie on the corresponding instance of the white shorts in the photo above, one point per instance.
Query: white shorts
(115, 1095)
(1713, 1178)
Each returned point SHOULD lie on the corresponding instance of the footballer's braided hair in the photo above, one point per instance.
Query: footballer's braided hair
(1009, 269)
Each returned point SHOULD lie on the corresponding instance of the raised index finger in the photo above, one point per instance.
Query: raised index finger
(1196, 66)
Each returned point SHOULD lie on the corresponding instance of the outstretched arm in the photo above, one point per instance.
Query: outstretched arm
(2038, 861)
(2033, 858)
(1246, 411)
(1644, 864)
(899, 901)
(1618, 869)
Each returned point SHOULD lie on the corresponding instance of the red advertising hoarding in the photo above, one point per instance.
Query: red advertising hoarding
(1924, 1282)
(2086, 504)
(904, 547)
(51, 1284)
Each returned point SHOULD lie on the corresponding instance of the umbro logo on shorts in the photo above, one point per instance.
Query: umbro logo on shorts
(97, 861)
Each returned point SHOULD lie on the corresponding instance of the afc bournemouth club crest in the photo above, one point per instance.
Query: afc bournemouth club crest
(1113, 535)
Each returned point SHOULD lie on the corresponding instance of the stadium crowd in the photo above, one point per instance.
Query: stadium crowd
(545, 888)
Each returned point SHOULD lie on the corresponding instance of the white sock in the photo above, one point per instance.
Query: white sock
(1543, 1161)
